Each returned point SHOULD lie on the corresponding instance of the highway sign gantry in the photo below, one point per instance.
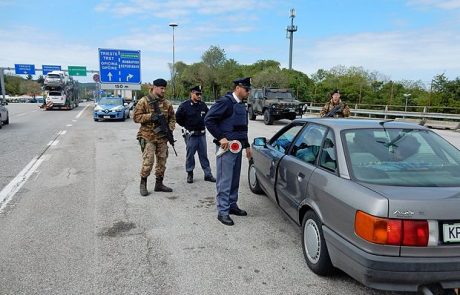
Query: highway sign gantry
(76, 70)
(120, 69)
(24, 69)
(49, 68)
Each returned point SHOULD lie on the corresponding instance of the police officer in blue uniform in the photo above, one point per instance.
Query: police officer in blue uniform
(190, 115)
(227, 121)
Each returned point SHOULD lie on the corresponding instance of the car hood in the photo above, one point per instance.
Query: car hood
(109, 106)
(420, 202)
(283, 101)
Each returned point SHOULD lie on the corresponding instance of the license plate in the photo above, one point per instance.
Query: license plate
(451, 232)
(106, 117)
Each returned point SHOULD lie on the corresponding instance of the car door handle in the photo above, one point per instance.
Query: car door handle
(300, 176)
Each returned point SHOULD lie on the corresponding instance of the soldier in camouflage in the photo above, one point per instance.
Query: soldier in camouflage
(154, 145)
(335, 108)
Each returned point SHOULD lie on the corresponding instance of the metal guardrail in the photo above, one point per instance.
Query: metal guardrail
(386, 114)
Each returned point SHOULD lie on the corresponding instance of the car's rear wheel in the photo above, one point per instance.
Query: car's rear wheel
(314, 245)
(252, 179)
(128, 115)
(268, 117)
(251, 114)
(7, 119)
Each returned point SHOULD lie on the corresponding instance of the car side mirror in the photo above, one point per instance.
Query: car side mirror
(260, 141)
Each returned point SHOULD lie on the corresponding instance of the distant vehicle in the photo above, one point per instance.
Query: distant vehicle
(4, 114)
(273, 104)
(111, 108)
(56, 78)
(378, 200)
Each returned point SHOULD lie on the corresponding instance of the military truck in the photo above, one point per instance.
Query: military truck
(273, 104)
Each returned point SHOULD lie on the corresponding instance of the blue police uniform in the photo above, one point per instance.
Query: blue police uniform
(190, 115)
(228, 119)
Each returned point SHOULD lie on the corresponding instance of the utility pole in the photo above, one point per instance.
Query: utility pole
(290, 34)
(2, 81)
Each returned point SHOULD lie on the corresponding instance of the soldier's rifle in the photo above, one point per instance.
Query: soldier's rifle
(162, 124)
(335, 110)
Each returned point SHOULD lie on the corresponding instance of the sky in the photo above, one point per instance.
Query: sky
(401, 39)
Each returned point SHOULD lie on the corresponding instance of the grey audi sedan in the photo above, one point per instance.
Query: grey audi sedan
(379, 200)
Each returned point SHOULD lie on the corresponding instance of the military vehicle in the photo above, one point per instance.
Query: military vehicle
(273, 104)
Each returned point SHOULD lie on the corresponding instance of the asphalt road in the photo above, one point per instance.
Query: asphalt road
(78, 225)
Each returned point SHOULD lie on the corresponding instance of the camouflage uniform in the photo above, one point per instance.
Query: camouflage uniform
(345, 112)
(155, 145)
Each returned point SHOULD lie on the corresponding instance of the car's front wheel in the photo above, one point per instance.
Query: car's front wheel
(251, 114)
(7, 119)
(314, 245)
(252, 179)
(268, 117)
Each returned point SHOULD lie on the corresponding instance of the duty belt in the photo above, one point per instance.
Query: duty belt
(195, 132)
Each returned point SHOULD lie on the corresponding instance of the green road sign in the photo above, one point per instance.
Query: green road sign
(76, 71)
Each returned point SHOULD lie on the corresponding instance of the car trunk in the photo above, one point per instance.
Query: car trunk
(435, 203)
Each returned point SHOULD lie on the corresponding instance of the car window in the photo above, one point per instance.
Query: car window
(328, 158)
(110, 100)
(307, 145)
(284, 140)
(403, 157)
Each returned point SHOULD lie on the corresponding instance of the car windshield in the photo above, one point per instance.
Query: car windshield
(110, 100)
(402, 157)
(279, 95)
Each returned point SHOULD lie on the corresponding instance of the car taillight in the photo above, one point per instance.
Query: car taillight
(398, 232)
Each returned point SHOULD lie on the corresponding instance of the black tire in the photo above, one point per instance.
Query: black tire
(96, 120)
(314, 245)
(291, 117)
(252, 179)
(7, 119)
(251, 114)
(128, 115)
(268, 117)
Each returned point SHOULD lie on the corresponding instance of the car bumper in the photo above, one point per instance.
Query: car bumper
(109, 116)
(389, 272)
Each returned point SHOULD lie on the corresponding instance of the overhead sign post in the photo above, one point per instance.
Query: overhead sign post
(77, 71)
(49, 68)
(120, 69)
(24, 69)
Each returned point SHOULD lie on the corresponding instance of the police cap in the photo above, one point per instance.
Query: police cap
(160, 83)
(243, 82)
(196, 89)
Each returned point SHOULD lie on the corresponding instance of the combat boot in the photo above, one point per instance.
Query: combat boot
(190, 177)
(160, 187)
(143, 187)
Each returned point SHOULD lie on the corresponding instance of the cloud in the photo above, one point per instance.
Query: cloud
(420, 53)
(180, 8)
(442, 4)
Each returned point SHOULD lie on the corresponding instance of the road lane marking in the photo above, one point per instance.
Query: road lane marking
(68, 125)
(15, 185)
(8, 192)
(81, 112)
(63, 132)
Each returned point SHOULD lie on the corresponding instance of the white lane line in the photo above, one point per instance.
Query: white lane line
(68, 125)
(15, 185)
(54, 143)
(81, 112)
(63, 132)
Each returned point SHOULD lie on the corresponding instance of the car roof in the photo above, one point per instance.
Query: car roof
(341, 124)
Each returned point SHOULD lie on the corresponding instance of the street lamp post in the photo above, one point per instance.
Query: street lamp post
(173, 74)
(406, 95)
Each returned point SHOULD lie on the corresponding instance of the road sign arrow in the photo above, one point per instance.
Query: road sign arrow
(110, 76)
(129, 77)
